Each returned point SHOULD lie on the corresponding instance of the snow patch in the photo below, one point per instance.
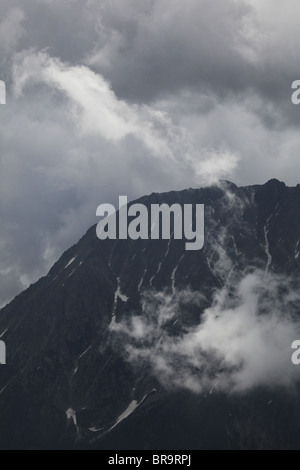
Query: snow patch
(129, 410)
(71, 414)
(142, 280)
(2, 334)
(5, 387)
(267, 249)
(174, 274)
(94, 429)
(118, 295)
(235, 247)
(71, 274)
(70, 262)
(161, 262)
(80, 357)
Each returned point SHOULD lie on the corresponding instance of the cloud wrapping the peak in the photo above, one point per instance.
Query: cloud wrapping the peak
(240, 343)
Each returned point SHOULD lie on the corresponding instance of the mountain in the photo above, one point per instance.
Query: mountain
(81, 342)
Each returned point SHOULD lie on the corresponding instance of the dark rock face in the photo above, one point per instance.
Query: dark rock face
(67, 383)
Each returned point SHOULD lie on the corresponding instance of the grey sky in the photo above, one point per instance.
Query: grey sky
(128, 97)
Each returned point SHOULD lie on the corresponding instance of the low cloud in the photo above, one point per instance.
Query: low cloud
(243, 340)
(96, 111)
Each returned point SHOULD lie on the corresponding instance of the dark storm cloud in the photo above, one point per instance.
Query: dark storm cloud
(227, 48)
(65, 28)
(166, 48)
(128, 97)
(150, 48)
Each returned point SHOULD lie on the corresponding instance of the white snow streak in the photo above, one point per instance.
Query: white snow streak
(267, 249)
(118, 295)
(70, 262)
(80, 357)
(161, 262)
(71, 274)
(174, 274)
(71, 414)
(94, 429)
(129, 410)
(235, 247)
(142, 280)
(266, 231)
(2, 334)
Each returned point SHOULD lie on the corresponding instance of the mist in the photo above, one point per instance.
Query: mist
(243, 339)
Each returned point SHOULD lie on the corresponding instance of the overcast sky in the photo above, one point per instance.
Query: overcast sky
(111, 97)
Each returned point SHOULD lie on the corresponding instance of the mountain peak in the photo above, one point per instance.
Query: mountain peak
(275, 182)
(227, 184)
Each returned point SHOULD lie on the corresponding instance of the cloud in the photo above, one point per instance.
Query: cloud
(92, 104)
(96, 111)
(242, 341)
(170, 43)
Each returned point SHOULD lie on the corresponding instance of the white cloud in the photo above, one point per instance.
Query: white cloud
(240, 343)
(94, 106)
(96, 110)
